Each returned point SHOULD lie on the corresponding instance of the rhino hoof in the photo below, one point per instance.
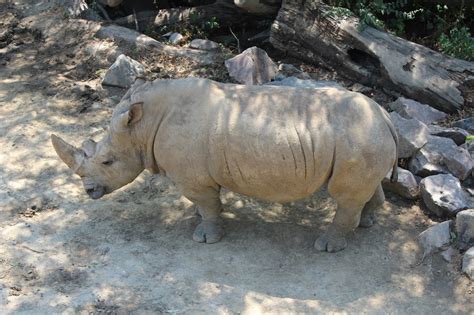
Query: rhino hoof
(330, 243)
(208, 232)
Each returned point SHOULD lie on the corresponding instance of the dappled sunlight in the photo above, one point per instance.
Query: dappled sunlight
(416, 283)
(132, 250)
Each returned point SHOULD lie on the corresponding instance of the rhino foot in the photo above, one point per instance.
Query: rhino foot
(330, 243)
(367, 221)
(208, 232)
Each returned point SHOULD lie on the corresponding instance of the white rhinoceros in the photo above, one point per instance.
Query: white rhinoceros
(275, 143)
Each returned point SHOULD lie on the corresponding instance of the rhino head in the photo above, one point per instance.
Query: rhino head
(111, 163)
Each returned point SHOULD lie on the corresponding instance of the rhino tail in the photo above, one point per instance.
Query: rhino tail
(388, 121)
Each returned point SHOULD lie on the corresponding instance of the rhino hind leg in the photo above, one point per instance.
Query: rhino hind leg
(209, 206)
(345, 221)
(367, 218)
(351, 197)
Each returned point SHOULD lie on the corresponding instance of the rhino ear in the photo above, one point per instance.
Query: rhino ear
(66, 152)
(89, 147)
(132, 116)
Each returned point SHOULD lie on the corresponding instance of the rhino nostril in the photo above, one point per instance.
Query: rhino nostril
(90, 190)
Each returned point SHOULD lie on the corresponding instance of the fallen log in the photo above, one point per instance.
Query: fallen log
(318, 33)
(225, 12)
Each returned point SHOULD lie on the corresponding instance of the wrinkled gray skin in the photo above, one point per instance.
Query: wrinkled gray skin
(275, 143)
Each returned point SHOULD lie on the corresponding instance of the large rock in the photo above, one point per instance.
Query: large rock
(465, 227)
(466, 124)
(252, 66)
(458, 135)
(408, 108)
(406, 186)
(299, 83)
(412, 134)
(123, 72)
(441, 155)
(435, 237)
(468, 263)
(203, 44)
(442, 194)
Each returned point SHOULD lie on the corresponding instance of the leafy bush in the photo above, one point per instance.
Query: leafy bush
(459, 43)
(420, 21)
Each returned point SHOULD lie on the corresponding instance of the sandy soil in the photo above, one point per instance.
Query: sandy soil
(132, 251)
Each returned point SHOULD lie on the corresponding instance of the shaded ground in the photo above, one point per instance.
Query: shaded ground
(132, 251)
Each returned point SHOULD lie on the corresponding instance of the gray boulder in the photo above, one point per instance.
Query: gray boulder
(465, 226)
(412, 134)
(458, 135)
(468, 263)
(299, 83)
(406, 186)
(203, 44)
(441, 155)
(466, 124)
(436, 237)
(252, 67)
(123, 72)
(442, 194)
(408, 108)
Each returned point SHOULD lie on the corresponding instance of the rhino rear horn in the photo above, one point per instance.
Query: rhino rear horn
(66, 152)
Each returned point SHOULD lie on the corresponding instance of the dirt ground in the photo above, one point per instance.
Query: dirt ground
(132, 251)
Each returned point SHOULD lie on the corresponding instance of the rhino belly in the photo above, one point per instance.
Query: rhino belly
(278, 162)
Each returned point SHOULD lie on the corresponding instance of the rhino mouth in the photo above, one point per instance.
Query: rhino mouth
(96, 192)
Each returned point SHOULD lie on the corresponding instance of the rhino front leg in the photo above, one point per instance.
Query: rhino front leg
(209, 206)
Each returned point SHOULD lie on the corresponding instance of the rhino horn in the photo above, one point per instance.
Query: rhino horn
(66, 152)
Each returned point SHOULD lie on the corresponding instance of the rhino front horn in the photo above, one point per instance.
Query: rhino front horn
(66, 152)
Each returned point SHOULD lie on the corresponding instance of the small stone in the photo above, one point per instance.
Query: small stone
(176, 38)
(442, 194)
(357, 87)
(412, 134)
(299, 83)
(465, 226)
(123, 72)
(288, 70)
(409, 108)
(203, 44)
(441, 155)
(252, 66)
(426, 162)
(435, 237)
(449, 254)
(468, 263)
(458, 135)
(466, 124)
(406, 186)
(111, 3)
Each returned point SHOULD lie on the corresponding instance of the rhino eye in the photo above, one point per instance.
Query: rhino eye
(108, 162)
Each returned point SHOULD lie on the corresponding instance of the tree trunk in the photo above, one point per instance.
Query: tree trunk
(316, 33)
(225, 12)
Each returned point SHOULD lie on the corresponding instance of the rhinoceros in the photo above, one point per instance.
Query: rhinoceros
(271, 142)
